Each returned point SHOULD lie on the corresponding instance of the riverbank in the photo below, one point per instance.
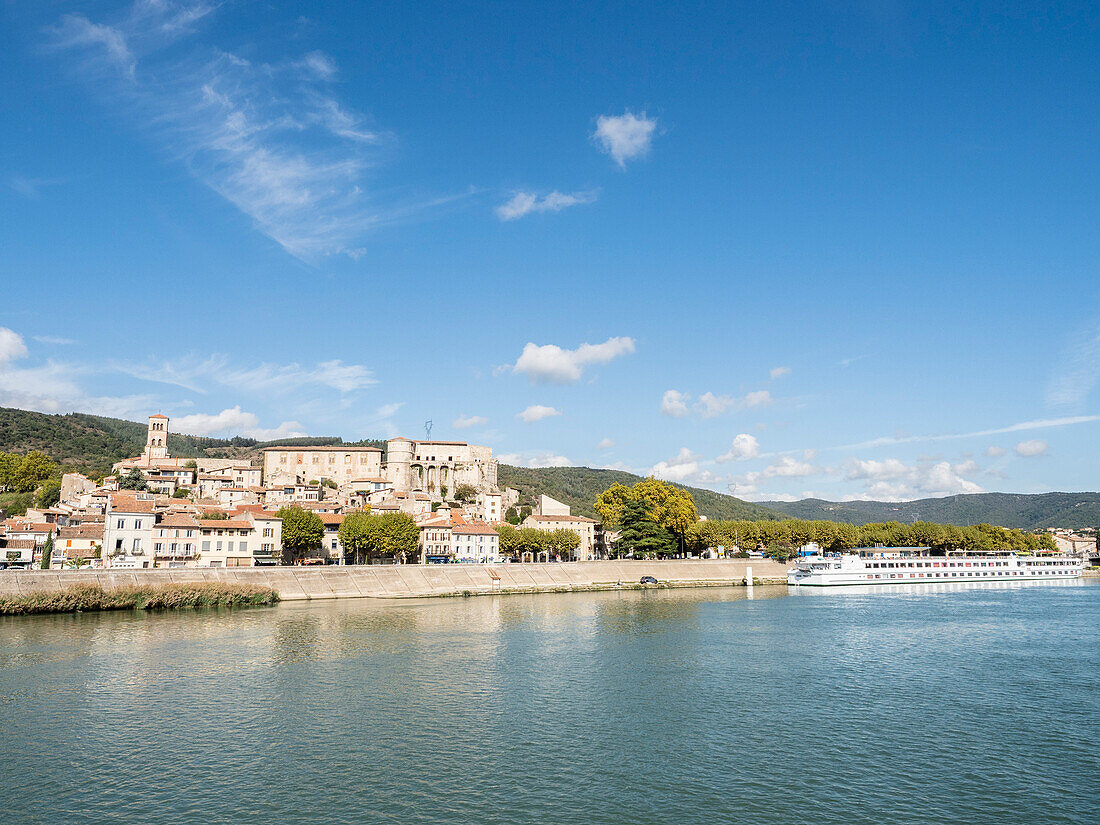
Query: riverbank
(84, 597)
(406, 580)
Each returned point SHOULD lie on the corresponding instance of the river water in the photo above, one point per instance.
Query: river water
(969, 704)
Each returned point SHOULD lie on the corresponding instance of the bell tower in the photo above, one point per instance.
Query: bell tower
(156, 441)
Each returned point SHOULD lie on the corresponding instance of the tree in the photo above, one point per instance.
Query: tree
(665, 504)
(133, 480)
(181, 492)
(34, 468)
(512, 516)
(642, 535)
(562, 542)
(1046, 541)
(509, 539)
(465, 492)
(9, 468)
(48, 494)
(47, 552)
(532, 540)
(611, 503)
(215, 515)
(394, 534)
(302, 531)
(354, 533)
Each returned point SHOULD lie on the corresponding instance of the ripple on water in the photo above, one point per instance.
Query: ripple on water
(688, 706)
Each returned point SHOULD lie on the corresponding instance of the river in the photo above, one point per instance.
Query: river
(919, 704)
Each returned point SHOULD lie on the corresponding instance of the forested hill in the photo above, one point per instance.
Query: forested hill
(1026, 512)
(579, 486)
(92, 443)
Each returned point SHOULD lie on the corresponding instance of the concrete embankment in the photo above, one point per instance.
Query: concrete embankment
(413, 580)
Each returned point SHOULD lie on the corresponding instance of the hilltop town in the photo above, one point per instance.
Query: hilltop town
(160, 511)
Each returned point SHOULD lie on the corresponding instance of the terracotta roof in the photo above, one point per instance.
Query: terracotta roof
(229, 524)
(178, 520)
(130, 504)
(331, 518)
(20, 544)
(158, 415)
(475, 528)
(81, 531)
(445, 443)
(20, 526)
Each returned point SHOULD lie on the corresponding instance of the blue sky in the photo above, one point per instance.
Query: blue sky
(839, 249)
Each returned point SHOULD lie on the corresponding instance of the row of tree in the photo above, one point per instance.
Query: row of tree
(655, 518)
(785, 537)
(519, 541)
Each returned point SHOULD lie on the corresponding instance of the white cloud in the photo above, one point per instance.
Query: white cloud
(197, 375)
(757, 399)
(12, 346)
(685, 467)
(744, 446)
(550, 364)
(537, 412)
(994, 451)
(625, 137)
(790, 467)
(894, 480)
(779, 372)
(234, 421)
(51, 339)
(524, 203)
(319, 64)
(1030, 448)
(463, 421)
(545, 459)
(674, 403)
(605, 444)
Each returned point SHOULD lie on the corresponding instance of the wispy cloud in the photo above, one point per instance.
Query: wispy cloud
(271, 138)
(779, 372)
(198, 374)
(526, 203)
(625, 137)
(1039, 424)
(51, 339)
(551, 364)
(1078, 369)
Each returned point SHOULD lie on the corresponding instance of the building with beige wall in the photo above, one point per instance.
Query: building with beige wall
(342, 464)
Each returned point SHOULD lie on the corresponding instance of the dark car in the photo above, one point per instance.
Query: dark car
(648, 580)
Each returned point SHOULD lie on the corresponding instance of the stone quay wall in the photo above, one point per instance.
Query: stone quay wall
(413, 580)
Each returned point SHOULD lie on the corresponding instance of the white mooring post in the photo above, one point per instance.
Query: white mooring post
(748, 576)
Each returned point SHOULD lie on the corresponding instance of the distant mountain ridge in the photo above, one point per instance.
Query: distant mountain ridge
(92, 443)
(579, 486)
(1021, 510)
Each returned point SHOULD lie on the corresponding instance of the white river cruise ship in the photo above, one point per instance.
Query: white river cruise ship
(917, 565)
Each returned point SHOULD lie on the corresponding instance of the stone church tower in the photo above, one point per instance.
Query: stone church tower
(156, 441)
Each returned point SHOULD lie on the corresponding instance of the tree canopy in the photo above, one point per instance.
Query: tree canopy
(303, 531)
(666, 505)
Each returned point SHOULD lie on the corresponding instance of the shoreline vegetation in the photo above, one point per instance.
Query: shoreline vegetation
(86, 598)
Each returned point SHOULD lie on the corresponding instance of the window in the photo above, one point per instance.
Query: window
(158, 547)
(120, 524)
(218, 546)
(268, 532)
(230, 548)
(206, 547)
(244, 546)
(137, 544)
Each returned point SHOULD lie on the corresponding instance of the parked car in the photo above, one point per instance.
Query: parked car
(648, 580)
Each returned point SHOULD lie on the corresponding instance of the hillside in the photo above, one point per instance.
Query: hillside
(1026, 512)
(579, 486)
(92, 443)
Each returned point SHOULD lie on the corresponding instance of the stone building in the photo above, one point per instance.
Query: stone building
(436, 468)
